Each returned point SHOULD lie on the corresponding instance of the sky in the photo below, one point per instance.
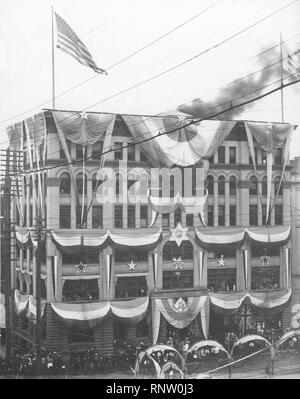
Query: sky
(113, 30)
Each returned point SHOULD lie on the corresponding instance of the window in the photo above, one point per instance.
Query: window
(277, 188)
(96, 183)
(172, 186)
(131, 216)
(263, 157)
(80, 290)
(221, 279)
(65, 184)
(253, 215)
(131, 254)
(178, 279)
(264, 187)
(131, 287)
(232, 155)
(253, 186)
(265, 277)
(177, 217)
(171, 250)
(97, 149)
(221, 215)
(79, 151)
(30, 215)
(221, 185)
(143, 157)
(76, 258)
(210, 215)
(118, 151)
(264, 213)
(232, 185)
(210, 185)
(232, 215)
(97, 216)
(81, 218)
(118, 216)
(160, 186)
(189, 220)
(227, 251)
(81, 184)
(221, 154)
(278, 156)
(65, 217)
(260, 250)
(117, 184)
(144, 215)
(278, 214)
(131, 153)
(255, 155)
(166, 220)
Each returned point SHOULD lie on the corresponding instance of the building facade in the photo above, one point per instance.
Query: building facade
(114, 267)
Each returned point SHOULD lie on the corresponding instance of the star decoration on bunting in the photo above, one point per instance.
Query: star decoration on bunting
(179, 234)
(221, 261)
(131, 265)
(83, 115)
(265, 260)
(180, 305)
(81, 268)
(178, 263)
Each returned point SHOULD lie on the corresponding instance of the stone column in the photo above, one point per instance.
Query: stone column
(53, 203)
(159, 277)
(205, 268)
(216, 209)
(196, 269)
(227, 200)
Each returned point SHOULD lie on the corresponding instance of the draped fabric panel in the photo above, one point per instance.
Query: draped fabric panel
(269, 300)
(31, 308)
(131, 312)
(185, 146)
(226, 304)
(2, 311)
(82, 128)
(177, 318)
(273, 235)
(214, 238)
(21, 301)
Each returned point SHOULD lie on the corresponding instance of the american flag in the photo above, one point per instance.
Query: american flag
(291, 63)
(68, 41)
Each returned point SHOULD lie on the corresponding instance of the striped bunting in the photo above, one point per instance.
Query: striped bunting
(68, 41)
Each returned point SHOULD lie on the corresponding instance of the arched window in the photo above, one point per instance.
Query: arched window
(232, 185)
(117, 183)
(276, 185)
(210, 185)
(221, 185)
(172, 186)
(253, 186)
(79, 183)
(264, 187)
(160, 186)
(65, 184)
(172, 250)
(30, 186)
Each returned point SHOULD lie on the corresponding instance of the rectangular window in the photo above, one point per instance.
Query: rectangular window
(219, 280)
(265, 278)
(190, 220)
(30, 215)
(81, 221)
(210, 215)
(232, 215)
(221, 215)
(263, 157)
(232, 155)
(118, 151)
(97, 216)
(131, 216)
(177, 217)
(278, 214)
(269, 250)
(253, 215)
(97, 149)
(166, 220)
(131, 153)
(79, 151)
(177, 279)
(278, 156)
(65, 217)
(144, 215)
(118, 216)
(221, 154)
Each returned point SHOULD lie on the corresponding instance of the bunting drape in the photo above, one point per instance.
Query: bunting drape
(2, 311)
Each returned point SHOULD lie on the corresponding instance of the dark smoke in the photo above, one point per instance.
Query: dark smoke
(238, 91)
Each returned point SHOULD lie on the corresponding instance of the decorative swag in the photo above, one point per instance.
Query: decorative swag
(27, 303)
(131, 311)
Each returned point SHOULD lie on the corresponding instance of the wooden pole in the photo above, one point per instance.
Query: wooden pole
(281, 79)
(53, 66)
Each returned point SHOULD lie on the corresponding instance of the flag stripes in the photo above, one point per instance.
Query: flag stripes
(69, 42)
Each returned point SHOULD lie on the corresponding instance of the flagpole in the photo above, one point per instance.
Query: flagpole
(53, 69)
(281, 78)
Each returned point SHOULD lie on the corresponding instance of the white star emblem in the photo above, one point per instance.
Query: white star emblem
(81, 268)
(179, 234)
(221, 261)
(83, 115)
(180, 305)
(131, 265)
(178, 263)
(269, 127)
(265, 260)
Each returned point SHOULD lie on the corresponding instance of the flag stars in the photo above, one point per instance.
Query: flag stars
(83, 115)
